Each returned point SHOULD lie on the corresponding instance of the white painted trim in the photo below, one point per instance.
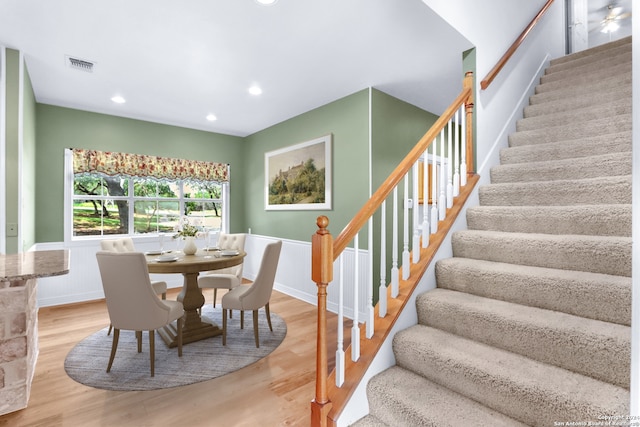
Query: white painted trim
(3, 149)
(21, 82)
(68, 202)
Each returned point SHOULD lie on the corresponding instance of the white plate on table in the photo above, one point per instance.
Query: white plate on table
(167, 258)
(229, 252)
(153, 253)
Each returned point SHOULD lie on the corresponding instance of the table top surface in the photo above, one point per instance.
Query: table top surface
(34, 264)
(201, 261)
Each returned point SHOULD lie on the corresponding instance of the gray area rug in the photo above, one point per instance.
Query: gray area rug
(203, 360)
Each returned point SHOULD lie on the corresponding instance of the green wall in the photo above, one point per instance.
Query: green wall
(59, 128)
(347, 120)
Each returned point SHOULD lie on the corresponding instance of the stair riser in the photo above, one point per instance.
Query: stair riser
(594, 220)
(572, 131)
(531, 392)
(572, 72)
(592, 296)
(606, 255)
(606, 84)
(574, 103)
(583, 115)
(594, 146)
(600, 351)
(596, 57)
(586, 80)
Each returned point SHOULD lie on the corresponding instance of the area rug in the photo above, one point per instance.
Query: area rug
(203, 360)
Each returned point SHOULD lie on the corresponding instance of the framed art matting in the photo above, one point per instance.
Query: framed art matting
(298, 177)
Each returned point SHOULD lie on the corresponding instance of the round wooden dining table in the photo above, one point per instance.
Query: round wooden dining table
(195, 327)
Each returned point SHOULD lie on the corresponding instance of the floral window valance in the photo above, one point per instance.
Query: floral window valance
(139, 165)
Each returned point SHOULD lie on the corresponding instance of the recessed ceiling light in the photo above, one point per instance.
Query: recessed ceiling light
(118, 99)
(212, 117)
(255, 90)
(266, 2)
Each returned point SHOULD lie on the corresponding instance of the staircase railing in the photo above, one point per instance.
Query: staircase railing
(438, 170)
(512, 49)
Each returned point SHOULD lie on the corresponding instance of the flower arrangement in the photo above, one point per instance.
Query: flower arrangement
(185, 229)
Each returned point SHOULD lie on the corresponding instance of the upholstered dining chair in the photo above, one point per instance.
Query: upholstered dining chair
(254, 296)
(225, 278)
(132, 302)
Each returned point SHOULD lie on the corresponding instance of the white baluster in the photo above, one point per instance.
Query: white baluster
(456, 161)
(382, 291)
(463, 148)
(370, 310)
(442, 203)
(449, 158)
(415, 247)
(340, 360)
(425, 203)
(405, 251)
(395, 285)
(355, 329)
(434, 191)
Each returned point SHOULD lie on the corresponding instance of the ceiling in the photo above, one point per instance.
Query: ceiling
(175, 62)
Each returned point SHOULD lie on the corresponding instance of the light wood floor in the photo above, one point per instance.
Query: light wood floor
(275, 391)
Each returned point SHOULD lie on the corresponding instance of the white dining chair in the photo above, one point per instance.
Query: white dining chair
(225, 278)
(132, 302)
(254, 296)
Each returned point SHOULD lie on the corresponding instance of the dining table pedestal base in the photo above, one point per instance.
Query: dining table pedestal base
(195, 328)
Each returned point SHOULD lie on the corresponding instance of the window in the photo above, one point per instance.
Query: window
(122, 203)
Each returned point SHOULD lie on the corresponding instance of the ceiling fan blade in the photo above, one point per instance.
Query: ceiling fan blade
(623, 16)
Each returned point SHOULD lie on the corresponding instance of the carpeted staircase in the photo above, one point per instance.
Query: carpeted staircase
(530, 321)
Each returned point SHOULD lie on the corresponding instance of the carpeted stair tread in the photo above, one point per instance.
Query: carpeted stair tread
(611, 51)
(610, 83)
(572, 131)
(595, 254)
(400, 398)
(601, 190)
(532, 392)
(551, 170)
(597, 349)
(596, 220)
(582, 100)
(587, 66)
(588, 79)
(568, 149)
(577, 115)
(596, 296)
(369, 421)
(592, 51)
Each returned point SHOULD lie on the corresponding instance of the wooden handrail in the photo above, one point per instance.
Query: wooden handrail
(349, 232)
(516, 44)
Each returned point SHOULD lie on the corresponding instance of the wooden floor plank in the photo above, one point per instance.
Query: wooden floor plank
(274, 391)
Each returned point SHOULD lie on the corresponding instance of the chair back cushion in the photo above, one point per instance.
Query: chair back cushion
(131, 301)
(259, 293)
(124, 244)
(231, 241)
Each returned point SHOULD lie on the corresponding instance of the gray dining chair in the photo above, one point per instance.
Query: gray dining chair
(255, 296)
(132, 302)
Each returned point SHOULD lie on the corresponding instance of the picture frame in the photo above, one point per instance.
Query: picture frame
(298, 177)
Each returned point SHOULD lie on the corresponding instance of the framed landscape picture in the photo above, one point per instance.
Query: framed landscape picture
(298, 177)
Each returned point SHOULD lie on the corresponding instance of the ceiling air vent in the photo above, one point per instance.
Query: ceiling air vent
(80, 64)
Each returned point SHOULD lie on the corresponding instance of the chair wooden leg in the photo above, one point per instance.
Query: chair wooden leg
(139, 339)
(152, 350)
(180, 325)
(110, 327)
(114, 346)
(224, 326)
(241, 319)
(164, 295)
(230, 314)
(255, 327)
(266, 308)
(215, 295)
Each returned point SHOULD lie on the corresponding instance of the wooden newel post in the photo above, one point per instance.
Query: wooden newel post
(468, 82)
(322, 275)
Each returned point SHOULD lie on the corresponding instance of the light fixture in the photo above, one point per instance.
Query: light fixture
(266, 2)
(212, 117)
(255, 90)
(610, 27)
(118, 99)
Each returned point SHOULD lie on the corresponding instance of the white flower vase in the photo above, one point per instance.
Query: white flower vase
(190, 247)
